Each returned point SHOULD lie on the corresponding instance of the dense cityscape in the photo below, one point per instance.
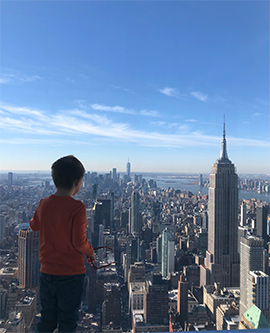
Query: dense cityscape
(175, 260)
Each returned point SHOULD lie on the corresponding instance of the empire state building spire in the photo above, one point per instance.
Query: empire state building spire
(222, 260)
(223, 153)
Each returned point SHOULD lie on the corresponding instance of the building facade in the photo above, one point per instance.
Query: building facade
(28, 258)
(251, 259)
(222, 259)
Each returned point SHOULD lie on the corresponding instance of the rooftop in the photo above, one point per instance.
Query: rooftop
(256, 318)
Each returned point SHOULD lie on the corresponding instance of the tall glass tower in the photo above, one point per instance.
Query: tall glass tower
(222, 258)
(128, 168)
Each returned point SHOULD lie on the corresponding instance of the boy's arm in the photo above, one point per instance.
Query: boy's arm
(79, 239)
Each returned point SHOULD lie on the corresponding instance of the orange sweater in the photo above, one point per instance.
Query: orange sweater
(61, 221)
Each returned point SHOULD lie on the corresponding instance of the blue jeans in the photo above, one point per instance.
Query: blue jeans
(60, 297)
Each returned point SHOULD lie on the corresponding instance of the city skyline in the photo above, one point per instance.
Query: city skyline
(147, 82)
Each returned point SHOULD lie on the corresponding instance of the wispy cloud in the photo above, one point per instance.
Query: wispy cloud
(90, 126)
(199, 95)
(121, 109)
(164, 124)
(191, 120)
(171, 92)
(87, 115)
(116, 108)
(150, 113)
(10, 78)
(21, 110)
(184, 128)
(258, 114)
(122, 88)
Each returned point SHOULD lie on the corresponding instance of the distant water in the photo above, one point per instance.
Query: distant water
(191, 184)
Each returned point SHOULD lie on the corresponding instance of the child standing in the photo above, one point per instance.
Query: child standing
(62, 223)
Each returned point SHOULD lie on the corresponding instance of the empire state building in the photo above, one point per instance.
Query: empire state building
(222, 260)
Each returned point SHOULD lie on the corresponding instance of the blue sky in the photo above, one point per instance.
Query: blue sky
(144, 80)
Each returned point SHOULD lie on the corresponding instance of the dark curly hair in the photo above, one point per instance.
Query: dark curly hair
(66, 170)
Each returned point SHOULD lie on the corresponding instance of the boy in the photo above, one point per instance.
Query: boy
(61, 221)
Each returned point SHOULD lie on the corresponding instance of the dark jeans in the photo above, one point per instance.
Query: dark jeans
(60, 297)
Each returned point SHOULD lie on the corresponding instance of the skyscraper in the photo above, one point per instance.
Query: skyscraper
(128, 168)
(167, 263)
(132, 251)
(259, 291)
(28, 258)
(101, 214)
(243, 216)
(135, 217)
(156, 301)
(222, 259)
(156, 217)
(182, 300)
(114, 175)
(10, 178)
(261, 222)
(251, 259)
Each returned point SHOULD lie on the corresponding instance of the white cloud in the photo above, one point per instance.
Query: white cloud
(117, 109)
(200, 96)
(150, 113)
(191, 120)
(121, 88)
(258, 114)
(21, 110)
(9, 78)
(121, 109)
(158, 123)
(171, 92)
(4, 80)
(184, 128)
(92, 116)
(88, 126)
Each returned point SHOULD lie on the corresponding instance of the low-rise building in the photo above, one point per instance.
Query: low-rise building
(213, 296)
(227, 317)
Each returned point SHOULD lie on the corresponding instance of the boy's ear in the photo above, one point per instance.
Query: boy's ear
(76, 182)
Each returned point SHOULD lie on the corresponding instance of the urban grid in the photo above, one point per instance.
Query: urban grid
(176, 260)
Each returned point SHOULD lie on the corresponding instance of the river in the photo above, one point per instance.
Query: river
(189, 184)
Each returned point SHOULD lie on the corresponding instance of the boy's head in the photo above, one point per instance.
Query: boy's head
(66, 171)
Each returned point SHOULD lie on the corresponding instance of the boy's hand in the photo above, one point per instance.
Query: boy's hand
(91, 259)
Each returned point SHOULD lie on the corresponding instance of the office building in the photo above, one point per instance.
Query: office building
(128, 168)
(201, 180)
(101, 215)
(222, 259)
(227, 317)
(242, 231)
(258, 291)
(132, 254)
(114, 174)
(10, 179)
(243, 214)
(261, 222)
(182, 300)
(136, 272)
(156, 301)
(214, 296)
(135, 215)
(168, 258)
(2, 226)
(111, 307)
(28, 246)
(136, 296)
(156, 217)
(101, 241)
(251, 259)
